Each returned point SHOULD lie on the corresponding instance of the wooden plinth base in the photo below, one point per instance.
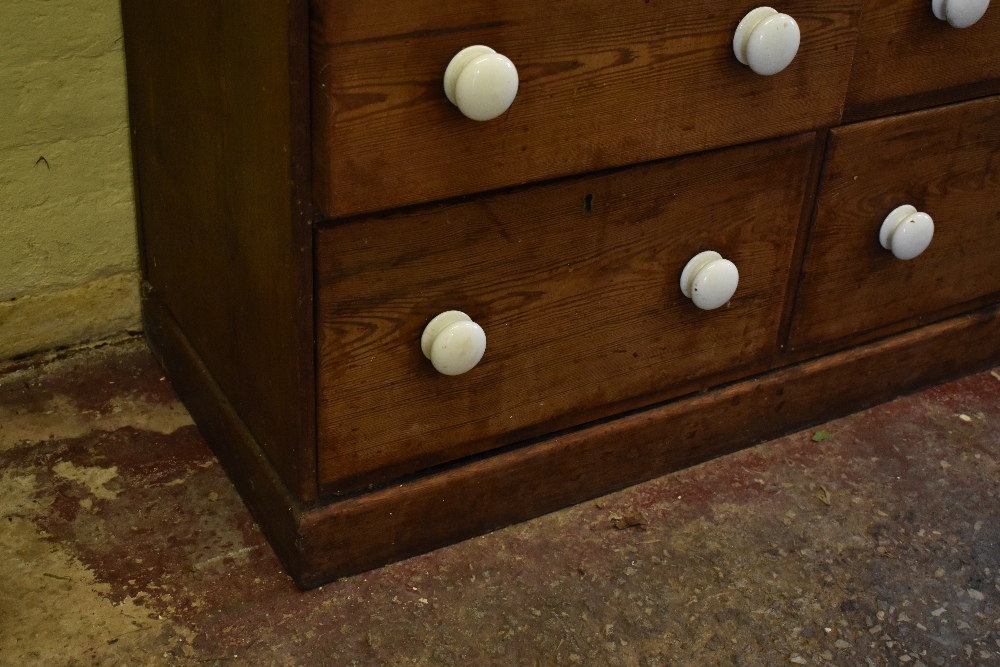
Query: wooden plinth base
(320, 542)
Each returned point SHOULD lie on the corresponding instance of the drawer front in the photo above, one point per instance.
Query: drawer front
(907, 59)
(576, 285)
(603, 83)
(945, 162)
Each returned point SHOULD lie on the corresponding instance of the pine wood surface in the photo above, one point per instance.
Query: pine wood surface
(942, 161)
(598, 373)
(907, 59)
(218, 112)
(582, 310)
(603, 83)
(429, 512)
(320, 542)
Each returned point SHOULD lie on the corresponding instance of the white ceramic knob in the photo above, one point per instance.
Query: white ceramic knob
(960, 13)
(480, 82)
(709, 280)
(906, 232)
(453, 342)
(766, 41)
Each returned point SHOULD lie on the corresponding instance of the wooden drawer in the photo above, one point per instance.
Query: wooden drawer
(907, 59)
(603, 83)
(944, 162)
(576, 286)
(295, 339)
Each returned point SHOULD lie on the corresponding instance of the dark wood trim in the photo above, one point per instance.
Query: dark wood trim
(302, 236)
(806, 217)
(252, 474)
(859, 112)
(798, 354)
(218, 101)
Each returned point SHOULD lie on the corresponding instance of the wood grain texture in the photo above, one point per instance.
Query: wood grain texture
(944, 162)
(907, 59)
(219, 114)
(581, 307)
(603, 83)
(426, 513)
(320, 543)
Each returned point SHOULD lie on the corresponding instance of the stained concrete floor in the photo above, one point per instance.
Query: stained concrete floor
(871, 540)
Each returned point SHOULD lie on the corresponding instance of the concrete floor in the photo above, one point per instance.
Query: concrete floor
(872, 540)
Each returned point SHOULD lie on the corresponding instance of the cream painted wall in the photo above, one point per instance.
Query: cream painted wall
(68, 259)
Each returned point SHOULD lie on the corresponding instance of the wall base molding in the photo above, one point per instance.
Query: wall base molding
(97, 310)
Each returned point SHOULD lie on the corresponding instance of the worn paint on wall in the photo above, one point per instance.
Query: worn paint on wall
(68, 259)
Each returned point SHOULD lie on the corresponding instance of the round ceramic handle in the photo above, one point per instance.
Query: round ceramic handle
(906, 232)
(480, 82)
(766, 41)
(709, 280)
(960, 13)
(453, 342)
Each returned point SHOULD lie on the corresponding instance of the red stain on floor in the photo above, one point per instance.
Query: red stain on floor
(877, 543)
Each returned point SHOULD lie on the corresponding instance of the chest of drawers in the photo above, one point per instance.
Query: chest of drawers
(649, 255)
